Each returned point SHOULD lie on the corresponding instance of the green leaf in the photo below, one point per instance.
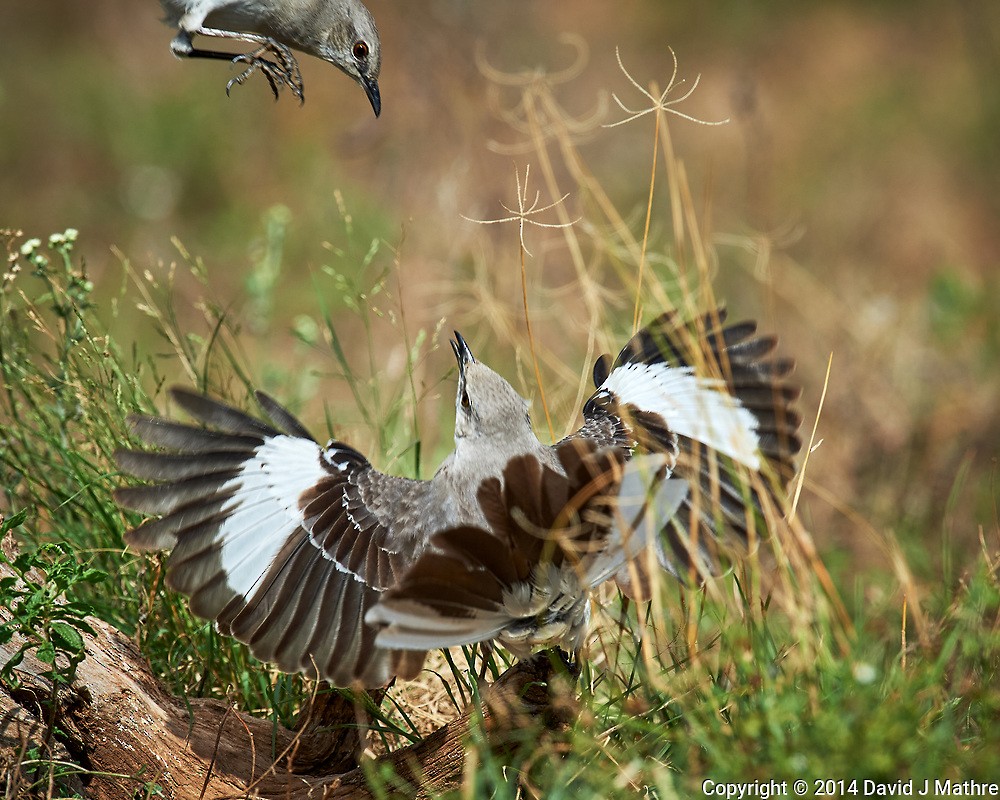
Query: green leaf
(46, 653)
(66, 637)
(92, 575)
(13, 521)
(14, 661)
(24, 562)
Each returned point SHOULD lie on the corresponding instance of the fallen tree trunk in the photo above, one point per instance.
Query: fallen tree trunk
(116, 733)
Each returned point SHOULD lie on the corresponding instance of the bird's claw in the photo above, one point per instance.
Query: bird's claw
(282, 71)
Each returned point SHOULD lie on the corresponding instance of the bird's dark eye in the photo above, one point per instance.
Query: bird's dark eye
(360, 50)
(466, 402)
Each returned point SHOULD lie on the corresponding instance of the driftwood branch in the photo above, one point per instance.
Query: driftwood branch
(127, 735)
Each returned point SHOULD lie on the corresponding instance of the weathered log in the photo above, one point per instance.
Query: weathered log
(126, 734)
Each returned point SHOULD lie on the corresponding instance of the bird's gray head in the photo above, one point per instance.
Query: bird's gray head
(350, 42)
(486, 405)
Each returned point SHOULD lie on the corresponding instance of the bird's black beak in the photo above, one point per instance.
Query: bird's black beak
(370, 85)
(462, 352)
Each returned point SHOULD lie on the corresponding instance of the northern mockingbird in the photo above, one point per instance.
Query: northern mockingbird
(339, 31)
(318, 561)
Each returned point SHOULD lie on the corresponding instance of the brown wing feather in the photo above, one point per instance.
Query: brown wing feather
(752, 374)
(539, 520)
(271, 534)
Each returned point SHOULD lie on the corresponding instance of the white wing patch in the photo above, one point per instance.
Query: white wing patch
(264, 511)
(697, 408)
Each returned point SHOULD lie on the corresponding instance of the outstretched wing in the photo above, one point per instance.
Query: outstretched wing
(284, 543)
(553, 537)
(713, 397)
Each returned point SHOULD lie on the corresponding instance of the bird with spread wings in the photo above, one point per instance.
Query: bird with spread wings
(325, 565)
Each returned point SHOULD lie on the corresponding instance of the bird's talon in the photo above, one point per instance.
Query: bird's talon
(277, 75)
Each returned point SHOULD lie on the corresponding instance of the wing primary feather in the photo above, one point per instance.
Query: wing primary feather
(282, 417)
(189, 438)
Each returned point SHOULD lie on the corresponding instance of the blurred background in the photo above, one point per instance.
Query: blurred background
(852, 203)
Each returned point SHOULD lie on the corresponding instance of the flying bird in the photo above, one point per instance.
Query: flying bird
(320, 562)
(341, 32)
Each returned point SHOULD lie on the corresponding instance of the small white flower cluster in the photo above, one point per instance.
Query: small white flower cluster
(61, 240)
(30, 251)
(11, 274)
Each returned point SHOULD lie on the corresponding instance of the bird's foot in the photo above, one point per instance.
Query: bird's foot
(559, 660)
(282, 71)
